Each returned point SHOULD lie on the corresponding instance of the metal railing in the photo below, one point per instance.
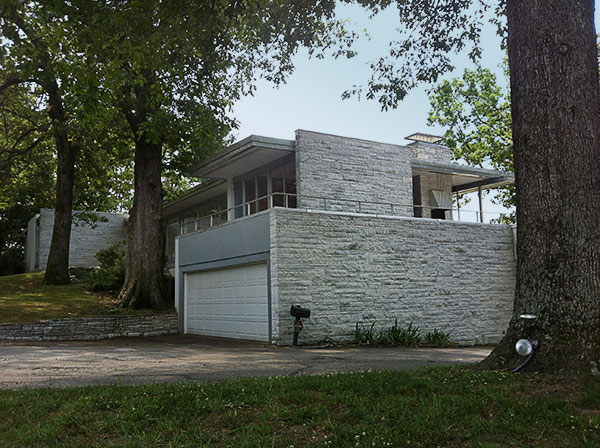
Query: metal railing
(320, 203)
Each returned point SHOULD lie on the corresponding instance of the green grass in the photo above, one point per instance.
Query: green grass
(440, 407)
(23, 298)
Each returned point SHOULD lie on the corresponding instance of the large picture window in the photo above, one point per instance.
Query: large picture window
(253, 191)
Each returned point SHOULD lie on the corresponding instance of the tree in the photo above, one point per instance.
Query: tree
(28, 171)
(173, 69)
(556, 132)
(475, 111)
(27, 168)
(27, 59)
(556, 139)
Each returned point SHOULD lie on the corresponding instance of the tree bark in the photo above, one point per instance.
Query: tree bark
(556, 131)
(57, 269)
(144, 286)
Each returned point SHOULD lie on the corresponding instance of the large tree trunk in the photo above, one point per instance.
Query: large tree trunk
(556, 131)
(143, 287)
(57, 269)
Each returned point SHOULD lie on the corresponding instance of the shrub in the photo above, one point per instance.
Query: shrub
(363, 335)
(111, 273)
(409, 337)
(395, 335)
(438, 338)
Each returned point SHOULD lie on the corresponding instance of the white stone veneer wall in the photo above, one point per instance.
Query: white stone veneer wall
(85, 240)
(457, 277)
(431, 151)
(348, 168)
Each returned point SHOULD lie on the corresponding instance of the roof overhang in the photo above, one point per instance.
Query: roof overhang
(243, 156)
(194, 196)
(465, 179)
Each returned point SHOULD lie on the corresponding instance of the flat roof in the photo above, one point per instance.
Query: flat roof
(194, 196)
(243, 156)
(466, 179)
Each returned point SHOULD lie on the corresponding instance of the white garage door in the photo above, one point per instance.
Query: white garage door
(231, 303)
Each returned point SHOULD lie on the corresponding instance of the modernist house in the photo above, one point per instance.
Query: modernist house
(355, 230)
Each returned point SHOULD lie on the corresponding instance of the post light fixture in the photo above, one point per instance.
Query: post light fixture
(526, 347)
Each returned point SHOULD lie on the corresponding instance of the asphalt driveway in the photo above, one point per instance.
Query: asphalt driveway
(198, 359)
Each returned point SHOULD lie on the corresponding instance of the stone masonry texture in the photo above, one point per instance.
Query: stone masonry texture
(429, 151)
(356, 170)
(452, 276)
(91, 328)
(86, 241)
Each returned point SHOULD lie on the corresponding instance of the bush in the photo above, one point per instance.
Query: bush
(410, 336)
(438, 338)
(363, 335)
(111, 273)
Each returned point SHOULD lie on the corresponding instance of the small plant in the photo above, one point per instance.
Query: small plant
(438, 338)
(410, 336)
(395, 335)
(364, 335)
(111, 273)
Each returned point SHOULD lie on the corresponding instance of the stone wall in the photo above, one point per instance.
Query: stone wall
(430, 151)
(456, 277)
(86, 241)
(358, 170)
(90, 328)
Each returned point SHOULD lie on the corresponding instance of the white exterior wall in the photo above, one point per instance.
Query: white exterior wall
(31, 256)
(430, 151)
(456, 277)
(85, 240)
(358, 170)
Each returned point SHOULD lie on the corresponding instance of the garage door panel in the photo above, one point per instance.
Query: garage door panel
(229, 302)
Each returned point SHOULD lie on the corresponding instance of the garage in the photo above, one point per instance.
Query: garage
(231, 302)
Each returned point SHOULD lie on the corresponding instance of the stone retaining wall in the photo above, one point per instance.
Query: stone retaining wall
(91, 328)
(446, 275)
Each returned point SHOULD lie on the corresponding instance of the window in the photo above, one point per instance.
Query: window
(262, 184)
(277, 186)
(253, 191)
(238, 199)
(250, 195)
(290, 184)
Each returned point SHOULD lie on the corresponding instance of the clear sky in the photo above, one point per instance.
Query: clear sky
(311, 98)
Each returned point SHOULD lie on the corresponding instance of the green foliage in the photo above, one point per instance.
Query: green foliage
(475, 111)
(174, 72)
(410, 336)
(365, 335)
(437, 338)
(41, 72)
(428, 34)
(111, 274)
(405, 336)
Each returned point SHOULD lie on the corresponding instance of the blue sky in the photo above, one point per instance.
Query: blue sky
(311, 98)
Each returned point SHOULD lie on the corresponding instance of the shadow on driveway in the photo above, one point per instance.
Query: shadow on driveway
(198, 359)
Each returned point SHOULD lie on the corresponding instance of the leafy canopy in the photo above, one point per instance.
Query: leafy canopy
(475, 111)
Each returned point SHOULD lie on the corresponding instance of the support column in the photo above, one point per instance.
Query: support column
(480, 204)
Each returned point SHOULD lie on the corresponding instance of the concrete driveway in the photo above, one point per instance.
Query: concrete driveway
(198, 359)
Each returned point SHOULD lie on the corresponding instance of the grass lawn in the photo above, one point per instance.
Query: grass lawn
(440, 407)
(23, 298)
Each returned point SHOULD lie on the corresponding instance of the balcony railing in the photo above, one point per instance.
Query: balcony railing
(317, 203)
